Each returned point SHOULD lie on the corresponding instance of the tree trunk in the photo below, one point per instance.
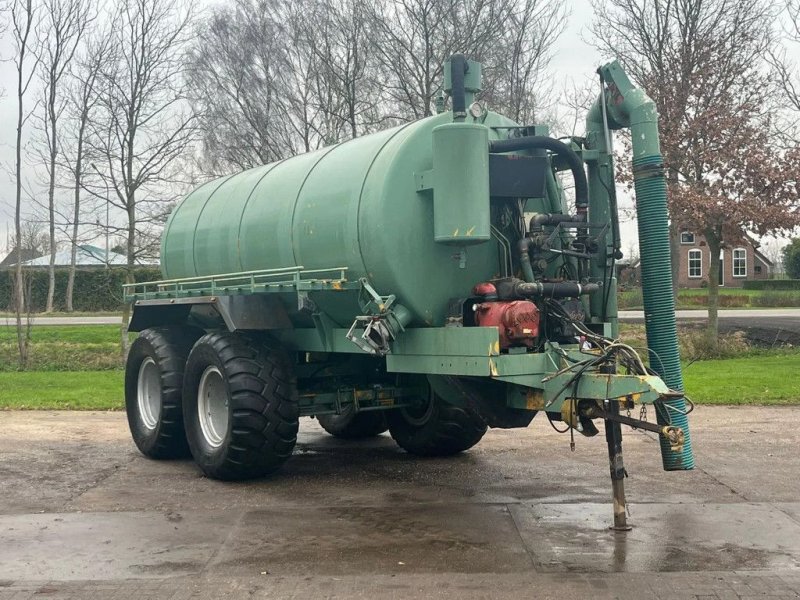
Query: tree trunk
(129, 277)
(713, 290)
(76, 211)
(71, 278)
(51, 201)
(23, 335)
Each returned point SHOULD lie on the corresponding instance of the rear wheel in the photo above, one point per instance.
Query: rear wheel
(435, 427)
(240, 408)
(153, 386)
(352, 425)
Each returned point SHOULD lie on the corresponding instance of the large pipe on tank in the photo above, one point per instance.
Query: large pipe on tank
(623, 105)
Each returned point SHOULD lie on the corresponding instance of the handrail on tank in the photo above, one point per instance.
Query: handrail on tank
(251, 278)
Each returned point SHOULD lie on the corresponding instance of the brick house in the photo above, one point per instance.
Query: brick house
(738, 262)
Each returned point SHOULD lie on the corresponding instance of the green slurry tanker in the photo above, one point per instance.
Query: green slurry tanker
(431, 279)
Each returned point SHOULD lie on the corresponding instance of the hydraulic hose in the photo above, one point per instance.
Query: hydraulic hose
(556, 147)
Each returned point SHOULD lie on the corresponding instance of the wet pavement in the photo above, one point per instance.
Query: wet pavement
(83, 515)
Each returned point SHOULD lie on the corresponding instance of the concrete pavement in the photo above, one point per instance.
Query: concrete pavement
(83, 515)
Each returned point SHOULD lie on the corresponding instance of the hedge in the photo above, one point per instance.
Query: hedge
(772, 284)
(95, 289)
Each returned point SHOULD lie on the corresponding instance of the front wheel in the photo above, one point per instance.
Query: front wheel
(435, 427)
(240, 406)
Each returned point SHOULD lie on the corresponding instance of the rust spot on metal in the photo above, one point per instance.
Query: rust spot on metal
(534, 400)
(336, 285)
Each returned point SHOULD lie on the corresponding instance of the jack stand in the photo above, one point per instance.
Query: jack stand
(614, 441)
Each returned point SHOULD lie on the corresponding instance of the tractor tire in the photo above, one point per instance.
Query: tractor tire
(436, 429)
(153, 390)
(240, 406)
(354, 426)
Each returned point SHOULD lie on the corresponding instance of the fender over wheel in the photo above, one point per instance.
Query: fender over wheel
(240, 406)
(153, 390)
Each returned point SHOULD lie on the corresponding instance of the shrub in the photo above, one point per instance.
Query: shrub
(791, 258)
(772, 284)
(776, 299)
(696, 345)
(95, 289)
(630, 299)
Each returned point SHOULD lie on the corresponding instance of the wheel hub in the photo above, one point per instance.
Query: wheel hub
(212, 406)
(421, 414)
(148, 393)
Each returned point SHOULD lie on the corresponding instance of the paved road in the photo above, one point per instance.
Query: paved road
(11, 322)
(773, 314)
(733, 313)
(83, 515)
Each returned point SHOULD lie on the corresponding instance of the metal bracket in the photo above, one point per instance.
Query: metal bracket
(374, 331)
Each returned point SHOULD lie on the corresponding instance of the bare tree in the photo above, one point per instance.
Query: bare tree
(23, 16)
(521, 56)
(142, 125)
(64, 24)
(234, 69)
(85, 73)
(785, 77)
(411, 38)
(702, 63)
(340, 45)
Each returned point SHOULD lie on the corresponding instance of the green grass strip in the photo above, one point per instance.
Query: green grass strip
(770, 379)
(81, 390)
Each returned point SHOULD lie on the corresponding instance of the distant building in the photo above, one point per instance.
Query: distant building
(87, 256)
(738, 262)
(11, 259)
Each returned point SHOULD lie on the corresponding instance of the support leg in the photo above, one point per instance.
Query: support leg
(614, 441)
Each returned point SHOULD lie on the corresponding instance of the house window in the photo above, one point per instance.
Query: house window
(758, 269)
(739, 262)
(695, 264)
(687, 238)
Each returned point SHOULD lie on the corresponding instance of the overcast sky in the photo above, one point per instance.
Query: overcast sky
(574, 60)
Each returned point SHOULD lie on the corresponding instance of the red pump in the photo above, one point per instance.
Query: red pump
(516, 320)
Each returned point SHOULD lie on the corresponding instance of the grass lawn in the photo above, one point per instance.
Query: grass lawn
(78, 390)
(64, 348)
(79, 367)
(767, 379)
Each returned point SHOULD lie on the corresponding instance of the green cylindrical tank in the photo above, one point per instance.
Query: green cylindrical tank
(355, 205)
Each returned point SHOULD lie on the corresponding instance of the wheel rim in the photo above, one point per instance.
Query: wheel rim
(212, 406)
(418, 416)
(148, 393)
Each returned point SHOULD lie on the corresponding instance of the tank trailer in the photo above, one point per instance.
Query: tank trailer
(431, 279)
